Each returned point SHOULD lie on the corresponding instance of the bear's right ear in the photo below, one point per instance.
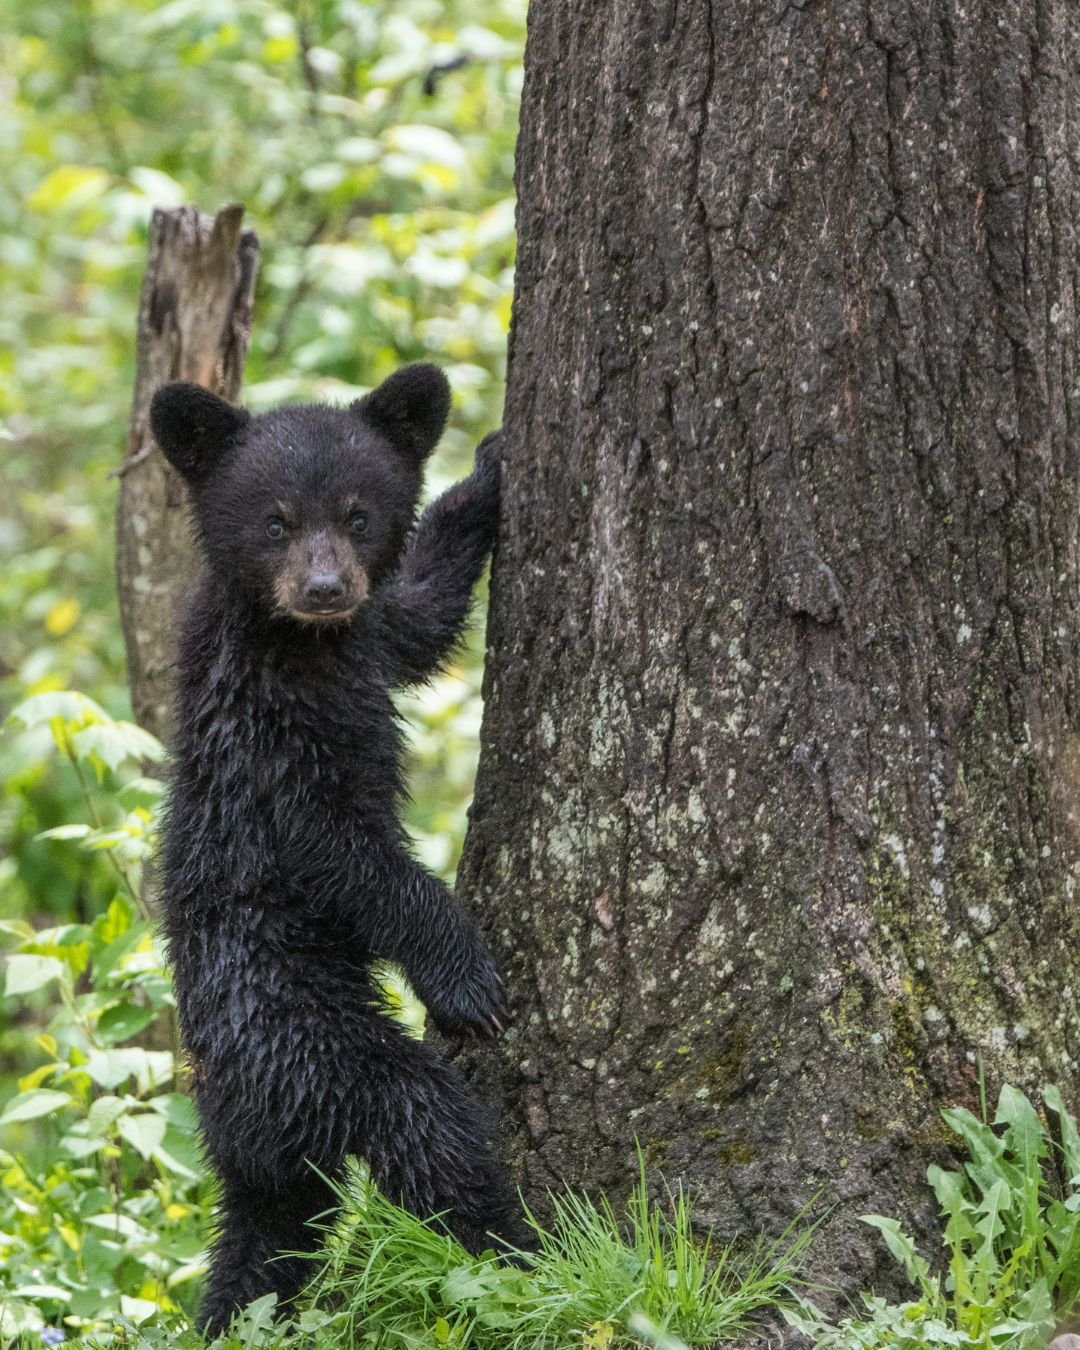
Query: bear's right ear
(410, 408)
(192, 426)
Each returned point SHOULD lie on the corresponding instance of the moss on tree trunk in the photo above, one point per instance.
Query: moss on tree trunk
(775, 826)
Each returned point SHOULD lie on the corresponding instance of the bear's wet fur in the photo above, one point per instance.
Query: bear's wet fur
(286, 869)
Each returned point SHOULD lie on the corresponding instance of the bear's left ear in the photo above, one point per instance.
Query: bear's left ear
(410, 408)
(193, 426)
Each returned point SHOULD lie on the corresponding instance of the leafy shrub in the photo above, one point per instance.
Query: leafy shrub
(1012, 1235)
(100, 1206)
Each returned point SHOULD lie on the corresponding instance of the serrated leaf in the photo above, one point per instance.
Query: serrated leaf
(900, 1245)
(1070, 1135)
(1024, 1135)
(113, 743)
(72, 709)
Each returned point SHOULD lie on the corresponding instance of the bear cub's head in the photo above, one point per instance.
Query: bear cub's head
(306, 508)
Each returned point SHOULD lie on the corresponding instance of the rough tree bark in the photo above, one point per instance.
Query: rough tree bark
(194, 324)
(775, 825)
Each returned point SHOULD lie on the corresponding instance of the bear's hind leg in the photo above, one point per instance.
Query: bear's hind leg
(427, 1141)
(256, 1224)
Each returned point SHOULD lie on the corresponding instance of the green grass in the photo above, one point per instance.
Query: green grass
(397, 1283)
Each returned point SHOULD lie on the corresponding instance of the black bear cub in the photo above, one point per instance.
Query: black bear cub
(286, 872)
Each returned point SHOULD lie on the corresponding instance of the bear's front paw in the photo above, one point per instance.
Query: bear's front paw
(474, 1002)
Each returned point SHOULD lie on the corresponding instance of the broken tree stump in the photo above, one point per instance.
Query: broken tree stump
(194, 324)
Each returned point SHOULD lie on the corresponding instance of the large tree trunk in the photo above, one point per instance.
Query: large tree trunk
(194, 324)
(775, 821)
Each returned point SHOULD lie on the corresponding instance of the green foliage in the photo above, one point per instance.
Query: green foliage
(1012, 1233)
(103, 1196)
(380, 185)
(595, 1283)
(100, 1179)
(373, 146)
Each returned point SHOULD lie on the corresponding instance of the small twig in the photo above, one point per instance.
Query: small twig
(299, 291)
(307, 69)
(95, 815)
(437, 71)
(129, 463)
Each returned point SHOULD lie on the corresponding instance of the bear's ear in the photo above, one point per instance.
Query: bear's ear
(193, 426)
(410, 409)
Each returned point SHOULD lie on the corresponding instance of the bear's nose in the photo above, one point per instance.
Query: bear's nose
(324, 588)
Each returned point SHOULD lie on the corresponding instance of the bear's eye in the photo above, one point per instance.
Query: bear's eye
(275, 528)
(358, 523)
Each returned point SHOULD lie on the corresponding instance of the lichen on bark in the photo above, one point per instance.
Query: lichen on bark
(775, 825)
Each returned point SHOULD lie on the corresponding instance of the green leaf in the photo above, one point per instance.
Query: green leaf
(75, 831)
(955, 1202)
(123, 1021)
(1070, 1135)
(142, 791)
(17, 928)
(144, 1132)
(47, 1291)
(429, 144)
(177, 1109)
(985, 1147)
(138, 1309)
(74, 710)
(1024, 1135)
(179, 1153)
(119, 947)
(358, 150)
(994, 1204)
(160, 187)
(70, 185)
(34, 1104)
(113, 743)
(149, 1068)
(121, 1225)
(79, 1147)
(103, 1112)
(900, 1245)
(23, 974)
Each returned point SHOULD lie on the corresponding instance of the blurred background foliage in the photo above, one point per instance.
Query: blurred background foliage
(372, 144)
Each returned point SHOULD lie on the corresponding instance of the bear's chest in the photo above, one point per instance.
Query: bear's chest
(284, 724)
